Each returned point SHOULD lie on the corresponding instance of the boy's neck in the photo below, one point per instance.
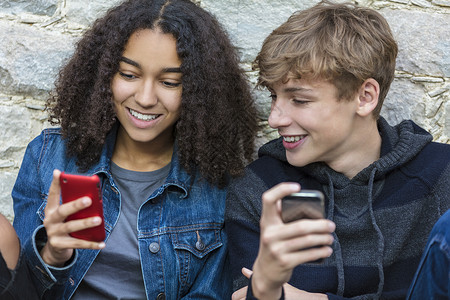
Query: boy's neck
(366, 150)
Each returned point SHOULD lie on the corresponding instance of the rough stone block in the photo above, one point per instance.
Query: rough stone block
(404, 102)
(423, 48)
(7, 180)
(85, 12)
(38, 7)
(249, 22)
(30, 58)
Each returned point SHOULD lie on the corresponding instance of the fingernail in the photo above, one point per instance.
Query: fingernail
(86, 201)
(101, 245)
(96, 220)
(330, 251)
(295, 186)
(332, 226)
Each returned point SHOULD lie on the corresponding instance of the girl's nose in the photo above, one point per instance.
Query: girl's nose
(146, 94)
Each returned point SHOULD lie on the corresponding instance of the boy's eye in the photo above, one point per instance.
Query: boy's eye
(300, 101)
(273, 97)
(127, 76)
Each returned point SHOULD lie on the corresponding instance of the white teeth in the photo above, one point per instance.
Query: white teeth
(292, 139)
(142, 117)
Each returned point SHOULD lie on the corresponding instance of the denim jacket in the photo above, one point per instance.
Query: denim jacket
(182, 245)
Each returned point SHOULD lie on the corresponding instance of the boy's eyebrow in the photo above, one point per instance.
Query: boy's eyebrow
(137, 65)
(296, 89)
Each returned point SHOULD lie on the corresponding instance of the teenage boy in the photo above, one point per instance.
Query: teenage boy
(328, 69)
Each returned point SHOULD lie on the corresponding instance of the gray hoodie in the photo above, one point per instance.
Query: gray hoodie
(383, 215)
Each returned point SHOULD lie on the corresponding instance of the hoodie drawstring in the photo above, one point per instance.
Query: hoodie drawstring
(379, 234)
(337, 246)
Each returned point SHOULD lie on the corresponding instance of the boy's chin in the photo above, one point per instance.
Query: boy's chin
(296, 161)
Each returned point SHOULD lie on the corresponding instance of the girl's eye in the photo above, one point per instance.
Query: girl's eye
(127, 76)
(171, 84)
(273, 97)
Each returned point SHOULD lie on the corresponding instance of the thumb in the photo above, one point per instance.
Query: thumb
(54, 192)
(247, 272)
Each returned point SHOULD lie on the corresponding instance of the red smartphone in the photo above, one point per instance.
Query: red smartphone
(74, 187)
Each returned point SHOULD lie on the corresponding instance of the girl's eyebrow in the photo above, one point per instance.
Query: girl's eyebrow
(137, 65)
(130, 62)
(171, 70)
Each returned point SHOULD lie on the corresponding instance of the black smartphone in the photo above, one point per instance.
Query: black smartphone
(74, 187)
(306, 204)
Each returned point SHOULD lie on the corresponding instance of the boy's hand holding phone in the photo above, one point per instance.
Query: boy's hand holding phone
(59, 247)
(283, 246)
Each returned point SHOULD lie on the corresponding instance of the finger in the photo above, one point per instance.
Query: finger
(291, 260)
(270, 212)
(306, 242)
(240, 294)
(73, 226)
(300, 228)
(54, 191)
(302, 248)
(247, 272)
(68, 242)
(72, 207)
(61, 212)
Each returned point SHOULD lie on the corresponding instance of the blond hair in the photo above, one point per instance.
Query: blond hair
(341, 43)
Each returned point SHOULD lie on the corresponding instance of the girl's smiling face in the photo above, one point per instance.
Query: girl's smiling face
(147, 88)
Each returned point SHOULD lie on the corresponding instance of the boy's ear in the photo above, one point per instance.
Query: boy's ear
(368, 97)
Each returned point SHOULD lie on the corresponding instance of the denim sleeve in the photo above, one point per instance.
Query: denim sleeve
(49, 281)
(432, 279)
(29, 196)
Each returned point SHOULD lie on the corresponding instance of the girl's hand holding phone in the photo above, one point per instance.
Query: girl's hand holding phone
(283, 246)
(59, 247)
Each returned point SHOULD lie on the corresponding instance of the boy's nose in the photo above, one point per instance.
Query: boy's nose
(279, 116)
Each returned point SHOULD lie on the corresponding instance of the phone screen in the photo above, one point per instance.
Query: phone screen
(306, 204)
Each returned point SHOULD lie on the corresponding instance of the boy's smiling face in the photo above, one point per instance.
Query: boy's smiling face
(314, 124)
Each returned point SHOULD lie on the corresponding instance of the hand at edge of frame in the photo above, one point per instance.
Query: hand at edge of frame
(290, 292)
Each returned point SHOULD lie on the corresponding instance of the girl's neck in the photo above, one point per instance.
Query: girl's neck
(142, 156)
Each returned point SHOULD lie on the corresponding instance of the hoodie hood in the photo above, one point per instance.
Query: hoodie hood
(399, 145)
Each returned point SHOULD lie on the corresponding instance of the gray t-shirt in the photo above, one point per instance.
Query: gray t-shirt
(116, 272)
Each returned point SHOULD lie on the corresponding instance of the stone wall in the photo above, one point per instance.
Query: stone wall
(38, 36)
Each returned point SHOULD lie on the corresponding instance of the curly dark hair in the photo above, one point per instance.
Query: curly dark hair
(217, 126)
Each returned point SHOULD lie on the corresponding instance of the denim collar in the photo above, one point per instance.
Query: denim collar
(177, 177)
